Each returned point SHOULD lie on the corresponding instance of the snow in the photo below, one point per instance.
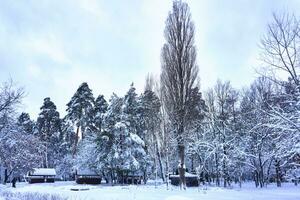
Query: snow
(86, 172)
(137, 139)
(186, 175)
(43, 171)
(150, 192)
(119, 125)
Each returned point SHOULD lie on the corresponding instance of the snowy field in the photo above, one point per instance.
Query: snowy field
(149, 192)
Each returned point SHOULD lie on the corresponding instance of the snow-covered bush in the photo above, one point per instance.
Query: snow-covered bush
(7, 195)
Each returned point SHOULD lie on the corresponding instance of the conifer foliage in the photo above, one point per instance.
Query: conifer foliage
(80, 111)
(223, 135)
(49, 132)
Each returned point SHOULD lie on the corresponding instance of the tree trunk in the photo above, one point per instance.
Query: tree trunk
(76, 141)
(158, 154)
(278, 173)
(261, 172)
(7, 175)
(112, 177)
(181, 167)
(268, 171)
(13, 182)
(217, 170)
(192, 163)
(161, 168)
(167, 169)
(145, 176)
(256, 178)
(46, 156)
(225, 173)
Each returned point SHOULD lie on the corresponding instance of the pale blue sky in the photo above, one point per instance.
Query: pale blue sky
(51, 46)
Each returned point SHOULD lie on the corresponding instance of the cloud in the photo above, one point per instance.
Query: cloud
(92, 7)
(34, 70)
(48, 46)
(51, 47)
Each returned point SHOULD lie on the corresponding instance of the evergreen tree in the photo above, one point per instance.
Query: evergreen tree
(100, 108)
(130, 133)
(68, 136)
(26, 123)
(120, 151)
(67, 143)
(80, 111)
(106, 141)
(130, 110)
(149, 120)
(49, 132)
(149, 108)
(129, 150)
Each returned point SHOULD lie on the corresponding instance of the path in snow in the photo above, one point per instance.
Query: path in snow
(149, 192)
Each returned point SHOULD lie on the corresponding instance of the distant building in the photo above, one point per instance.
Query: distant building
(87, 176)
(41, 175)
(131, 178)
(191, 179)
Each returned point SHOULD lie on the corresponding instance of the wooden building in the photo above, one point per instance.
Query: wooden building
(41, 175)
(191, 179)
(131, 179)
(86, 176)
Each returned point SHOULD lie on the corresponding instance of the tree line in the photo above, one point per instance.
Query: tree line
(223, 134)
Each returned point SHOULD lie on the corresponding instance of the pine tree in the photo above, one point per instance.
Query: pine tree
(26, 123)
(149, 108)
(113, 114)
(106, 141)
(80, 112)
(130, 110)
(120, 151)
(67, 143)
(49, 132)
(100, 108)
(129, 150)
(68, 136)
(149, 115)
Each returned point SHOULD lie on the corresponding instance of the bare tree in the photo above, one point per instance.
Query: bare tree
(281, 53)
(280, 46)
(179, 74)
(10, 98)
(149, 83)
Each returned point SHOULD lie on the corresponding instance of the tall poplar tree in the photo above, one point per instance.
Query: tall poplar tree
(179, 74)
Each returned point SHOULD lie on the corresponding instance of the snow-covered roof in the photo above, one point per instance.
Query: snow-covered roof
(86, 172)
(186, 175)
(43, 172)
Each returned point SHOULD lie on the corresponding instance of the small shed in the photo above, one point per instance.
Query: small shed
(133, 179)
(191, 179)
(87, 176)
(41, 175)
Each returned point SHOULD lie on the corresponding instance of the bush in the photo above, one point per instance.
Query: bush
(29, 196)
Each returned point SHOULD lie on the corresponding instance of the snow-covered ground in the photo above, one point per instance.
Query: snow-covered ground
(149, 192)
